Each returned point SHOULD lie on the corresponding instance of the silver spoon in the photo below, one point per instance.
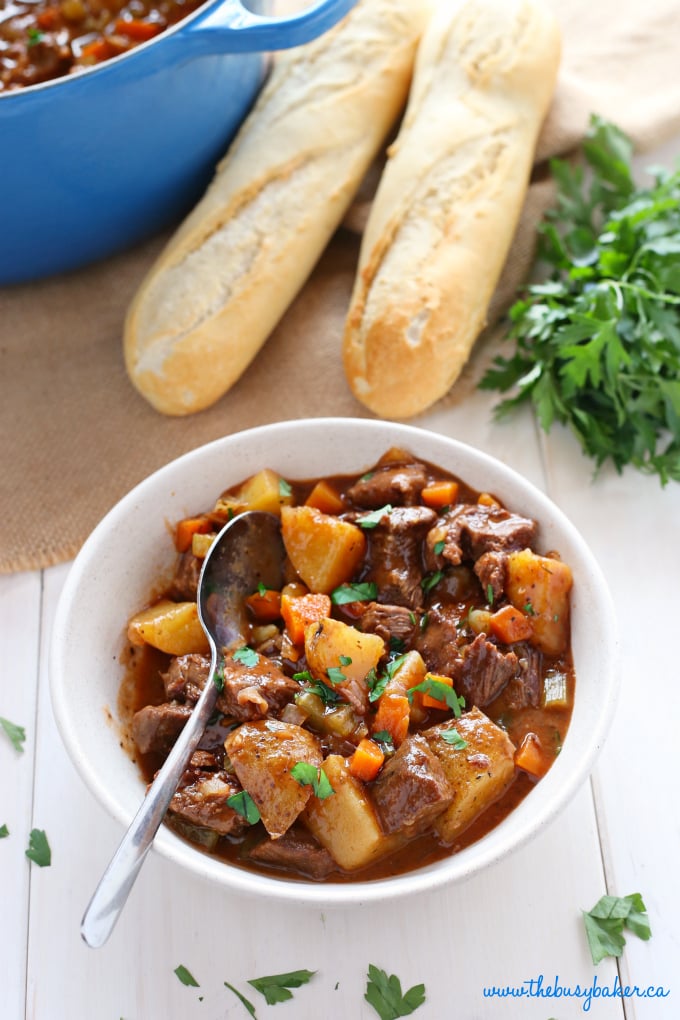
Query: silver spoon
(248, 551)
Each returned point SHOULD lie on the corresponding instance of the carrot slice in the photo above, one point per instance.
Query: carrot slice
(393, 715)
(187, 528)
(509, 624)
(427, 700)
(265, 606)
(323, 497)
(531, 756)
(299, 612)
(367, 760)
(440, 494)
(135, 28)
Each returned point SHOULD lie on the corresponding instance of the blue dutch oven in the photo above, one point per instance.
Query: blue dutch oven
(97, 161)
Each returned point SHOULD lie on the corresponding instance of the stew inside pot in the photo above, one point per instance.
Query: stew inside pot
(45, 39)
(393, 702)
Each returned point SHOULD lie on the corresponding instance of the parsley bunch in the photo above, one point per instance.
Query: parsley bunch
(598, 343)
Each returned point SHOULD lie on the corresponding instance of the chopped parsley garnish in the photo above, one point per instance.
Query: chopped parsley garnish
(17, 734)
(432, 579)
(307, 774)
(345, 660)
(441, 692)
(186, 977)
(489, 594)
(4, 831)
(245, 1002)
(373, 519)
(598, 343)
(305, 675)
(377, 684)
(328, 696)
(384, 994)
(605, 923)
(218, 677)
(262, 589)
(248, 656)
(35, 36)
(39, 849)
(335, 675)
(529, 609)
(384, 738)
(244, 805)
(365, 591)
(439, 547)
(454, 738)
(276, 987)
(285, 489)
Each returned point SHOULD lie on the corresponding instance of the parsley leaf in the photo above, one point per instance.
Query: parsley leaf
(604, 924)
(244, 805)
(39, 849)
(335, 675)
(453, 737)
(384, 738)
(4, 831)
(328, 696)
(365, 591)
(285, 489)
(186, 977)
(385, 995)
(441, 692)
(275, 988)
(17, 734)
(307, 774)
(246, 1002)
(373, 519)
(248, 656)
(598, 343)
(430, 580)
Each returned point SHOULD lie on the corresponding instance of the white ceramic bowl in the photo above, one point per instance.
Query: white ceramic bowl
(118, 565)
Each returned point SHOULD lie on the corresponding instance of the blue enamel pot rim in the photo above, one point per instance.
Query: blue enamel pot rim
(243, 32)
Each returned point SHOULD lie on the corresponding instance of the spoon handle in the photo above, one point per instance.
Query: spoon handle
(115, 884)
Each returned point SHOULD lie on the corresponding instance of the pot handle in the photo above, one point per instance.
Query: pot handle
(245, 32)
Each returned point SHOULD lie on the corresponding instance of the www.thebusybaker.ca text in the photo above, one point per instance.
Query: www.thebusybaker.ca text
(539, 988)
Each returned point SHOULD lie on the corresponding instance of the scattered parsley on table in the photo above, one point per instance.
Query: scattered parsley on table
(598, 342)
(17, 734)
(39, 849)
(385, 995)
(606, 921)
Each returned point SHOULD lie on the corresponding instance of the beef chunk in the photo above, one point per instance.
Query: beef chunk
(395, 555)
(186, 677)
(399, 485)
(525, 688)
(156, 727)
(474, 529)
(394, 624)
(296, 850)
(412, 789)
(438, 642)
(252, 692)
(490, 569)
(201, 798)
(184, 587)
(485, 671)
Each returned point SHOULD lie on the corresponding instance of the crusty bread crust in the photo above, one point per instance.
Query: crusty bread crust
(233, 267)
(449, 200)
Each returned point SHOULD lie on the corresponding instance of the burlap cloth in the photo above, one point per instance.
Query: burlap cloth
(75, 435)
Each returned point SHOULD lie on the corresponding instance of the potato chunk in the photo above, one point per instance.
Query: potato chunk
(263, 491)
(478, 773)
(263, 754)
(348, 653)
(540, 586)
(345, 823)
(324, 550)
(173, 627)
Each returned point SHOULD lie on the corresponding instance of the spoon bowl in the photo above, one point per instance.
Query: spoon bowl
(248, 551)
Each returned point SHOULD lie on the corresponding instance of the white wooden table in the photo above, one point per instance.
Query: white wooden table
(519, 921)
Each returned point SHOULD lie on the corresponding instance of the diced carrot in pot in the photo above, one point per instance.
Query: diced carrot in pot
(299, 612)
(323, 497)
(440, 494)
(187, 528)
(510, 624)
(265, 606)
(367, 760)
(393, 715)
(531, 756)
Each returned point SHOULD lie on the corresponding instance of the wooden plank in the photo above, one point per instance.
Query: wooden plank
(514, 923)
(633, 527)
(20, 614)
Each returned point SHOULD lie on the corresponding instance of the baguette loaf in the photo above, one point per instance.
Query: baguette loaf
(448, 201)
(233, 267)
